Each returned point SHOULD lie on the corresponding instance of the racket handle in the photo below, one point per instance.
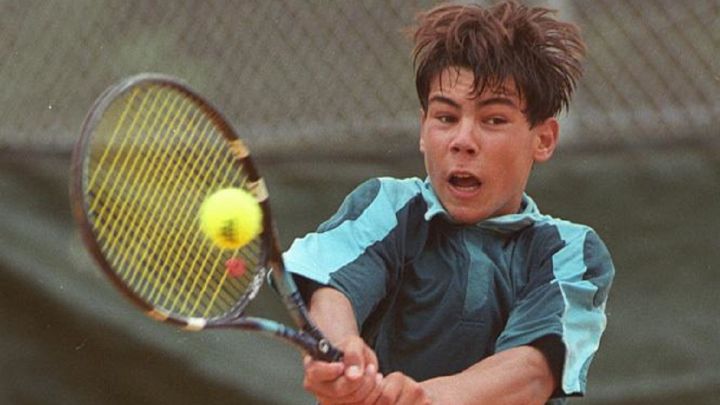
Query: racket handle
(312, 342)
(325, 350)
(329, 352)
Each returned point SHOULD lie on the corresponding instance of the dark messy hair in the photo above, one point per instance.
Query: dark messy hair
(506, 41)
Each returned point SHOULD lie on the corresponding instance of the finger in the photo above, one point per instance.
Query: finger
(354, 354)
(346, 391)
(341, 388)
(320, 371)
(369, 385)
(391, 389)
(372, 397)
(370, 357)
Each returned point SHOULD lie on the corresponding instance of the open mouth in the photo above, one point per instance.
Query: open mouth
(464, 181)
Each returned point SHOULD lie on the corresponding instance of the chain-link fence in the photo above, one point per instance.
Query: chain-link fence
(337, 75)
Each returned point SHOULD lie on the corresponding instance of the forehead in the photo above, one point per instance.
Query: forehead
(460, 82)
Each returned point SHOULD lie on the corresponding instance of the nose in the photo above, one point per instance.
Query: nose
(465, 140)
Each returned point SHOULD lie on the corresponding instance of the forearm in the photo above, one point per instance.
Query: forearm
(333, 314)
(355, 378)
(516, 376)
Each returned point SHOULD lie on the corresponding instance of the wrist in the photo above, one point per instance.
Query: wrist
(440, 391)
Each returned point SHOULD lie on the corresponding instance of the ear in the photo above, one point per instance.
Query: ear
(547, 134)
(423, 116)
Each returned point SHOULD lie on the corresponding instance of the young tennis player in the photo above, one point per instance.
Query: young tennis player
(456, 289)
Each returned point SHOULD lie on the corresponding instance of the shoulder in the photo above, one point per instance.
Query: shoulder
(377, 197)
(574, 253)
(576, 239)
(391, 192)
(554, 234)
(396, 191)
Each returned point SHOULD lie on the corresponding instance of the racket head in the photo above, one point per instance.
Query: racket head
(150, 151)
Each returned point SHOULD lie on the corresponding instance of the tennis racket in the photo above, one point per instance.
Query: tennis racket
(150, 151)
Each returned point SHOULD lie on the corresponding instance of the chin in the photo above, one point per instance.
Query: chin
(467, 218)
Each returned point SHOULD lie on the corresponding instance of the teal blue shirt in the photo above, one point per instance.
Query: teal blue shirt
(433, 297)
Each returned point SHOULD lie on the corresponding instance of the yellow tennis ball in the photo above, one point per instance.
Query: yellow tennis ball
(231, 217)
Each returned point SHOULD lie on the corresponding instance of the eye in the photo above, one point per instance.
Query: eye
(446, 118)
(496, 120)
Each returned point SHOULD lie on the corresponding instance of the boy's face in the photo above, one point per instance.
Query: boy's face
(479, 150)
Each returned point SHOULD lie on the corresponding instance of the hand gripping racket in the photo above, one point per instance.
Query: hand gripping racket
(150, 151)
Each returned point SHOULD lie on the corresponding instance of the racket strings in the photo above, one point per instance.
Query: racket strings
(172, 184)
(197, 283)
(144, 189)
(138, 206)
(119, 183)
(172, 209)
(158, 155)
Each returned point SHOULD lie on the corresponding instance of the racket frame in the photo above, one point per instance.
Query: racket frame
(308, 337)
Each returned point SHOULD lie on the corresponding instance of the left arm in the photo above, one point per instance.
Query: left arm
(520, 375)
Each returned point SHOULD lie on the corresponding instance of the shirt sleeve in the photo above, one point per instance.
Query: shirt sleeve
(355, 251)
(563, 304)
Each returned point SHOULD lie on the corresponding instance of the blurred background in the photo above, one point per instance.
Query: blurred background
(323, 92)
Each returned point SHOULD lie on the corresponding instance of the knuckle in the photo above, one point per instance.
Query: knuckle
(422, 398)
(394, 376)
(384, 399)
(357, 395)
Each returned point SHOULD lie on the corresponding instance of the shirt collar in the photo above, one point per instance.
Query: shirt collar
(528, 214)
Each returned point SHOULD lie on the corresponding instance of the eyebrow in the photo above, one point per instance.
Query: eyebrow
(482, 103)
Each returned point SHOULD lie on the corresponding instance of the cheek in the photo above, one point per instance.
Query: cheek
(510, 162)
(431, 151)
(432, 167)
